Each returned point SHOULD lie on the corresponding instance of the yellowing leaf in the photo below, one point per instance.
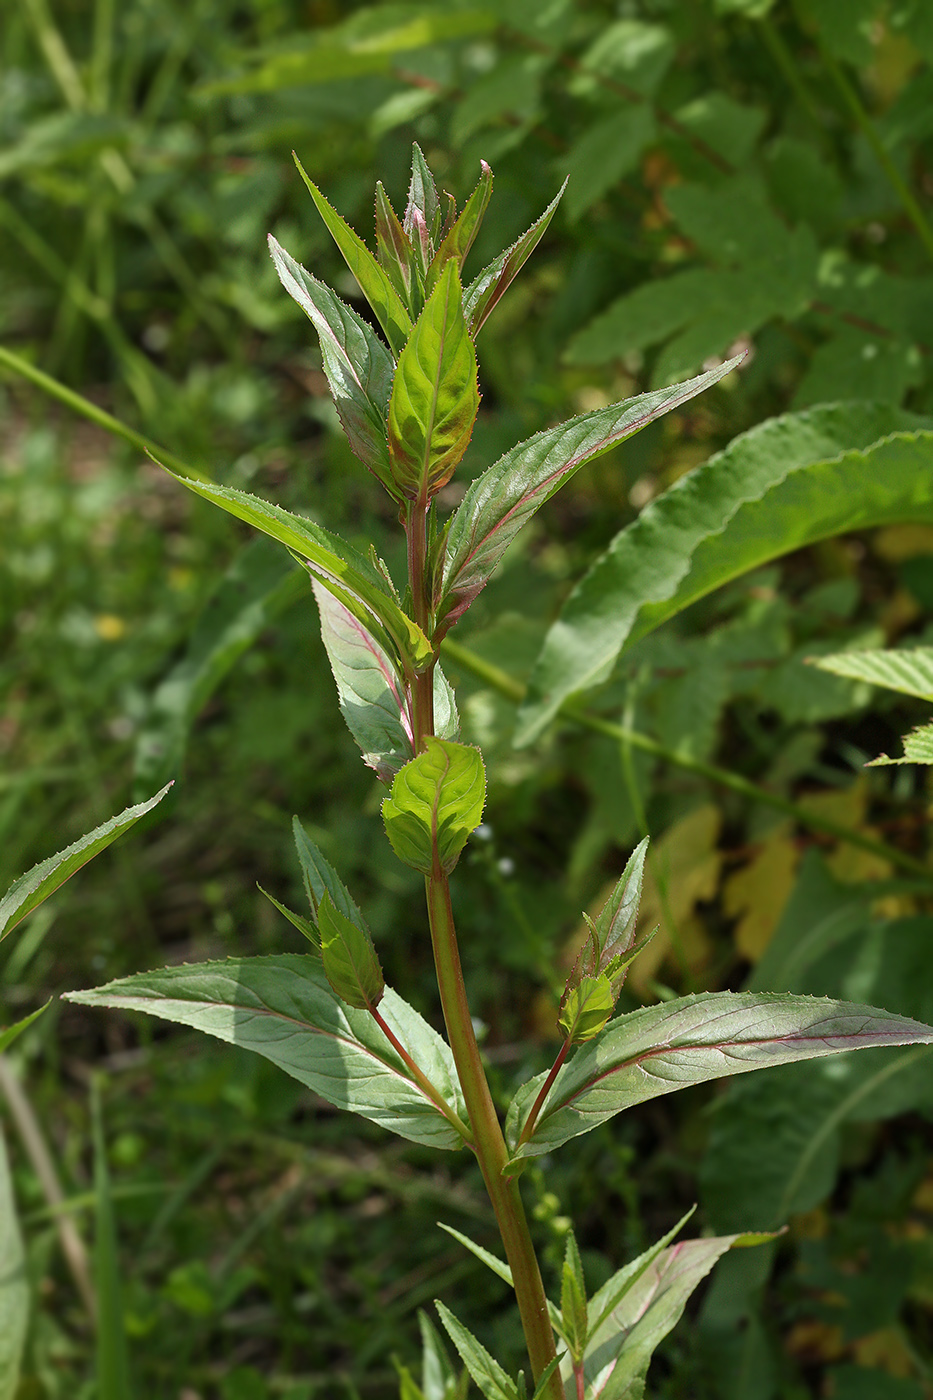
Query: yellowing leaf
(683, 869)
(756, 894)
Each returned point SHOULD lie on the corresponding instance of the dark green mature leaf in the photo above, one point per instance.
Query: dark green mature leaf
(435, 397)
(14, 1285)
(487, 289)
(787, 483)
(620, 1349)
(607, 150)
(351, 963)
(436, 802)
(26, 893)
(573, 1308)
(350, 576)
(11, 1033)
(283, 1008)
(486, 1372)
(358, 366)
(506, 496)
(374, 282)
(691, 1040)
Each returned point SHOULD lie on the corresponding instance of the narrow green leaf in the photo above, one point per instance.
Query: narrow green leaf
(543, 1381)
(393, 248)
(303, 925)
(909, 671)
(26, 893)
(614, 1289)
(439, 1380)
(658, 1049)
(918, 748)
(435, 397)
(508, 493)
(422, 196)
(500, 1269)
(787, 483)
(374, 282)
(487, 1374)
(14, 1286)
(351, 964)
(573, 1309)
(486, 291)
(320, 878)
(113, 1362)
(459, 238)
(625, 1341)
(436, 802)
(10, 1033)
(358, 366)
(284, 1008)
(348, 574)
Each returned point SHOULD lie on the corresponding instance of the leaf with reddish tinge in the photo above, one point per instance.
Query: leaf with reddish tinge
(486, 291)
(658, 1049)
(358, 366)
(501, 501)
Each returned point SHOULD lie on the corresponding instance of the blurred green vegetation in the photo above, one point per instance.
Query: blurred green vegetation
(742, 173)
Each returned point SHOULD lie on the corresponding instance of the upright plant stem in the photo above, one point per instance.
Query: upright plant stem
(423, 685)
(489, 1143)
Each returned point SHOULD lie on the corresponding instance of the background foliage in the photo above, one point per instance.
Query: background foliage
(742, 174)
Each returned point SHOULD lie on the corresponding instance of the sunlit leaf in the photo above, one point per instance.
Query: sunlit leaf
(436, 802)
(486, 290)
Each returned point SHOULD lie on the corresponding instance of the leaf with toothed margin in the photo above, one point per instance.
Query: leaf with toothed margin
(283, 1008)
(393, 246)
(349, 575)
(358, 366)
(436, 802)
(351, 963)
(486, 290)
(658, 1049)
(435, 397)
(484, 1369)
(320, 878)
(373, 281)
(28, 892)
(501, 501)
(459, 238)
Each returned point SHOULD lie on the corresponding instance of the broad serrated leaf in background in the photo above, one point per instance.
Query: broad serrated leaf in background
(283, 1008)
(790, 482)
(607, 151)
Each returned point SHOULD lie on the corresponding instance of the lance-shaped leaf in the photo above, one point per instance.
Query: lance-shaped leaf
(321, 879)
(358, 366)
(26, 893)
(785, 484)
(423, 208)
(573, 1308)
(501, 501)
(486, 1372)
(658, 1049)
(434, 395)
(14, 1285)
(10, 1033)
(485, 291)
(304, 926)
(351, 963)
(620, 1348)
(374, 283)
(350, 576)
(393, 246)
(373, 697)
(599, 971)
(436, 802)
(284, 1008)
(458, 240)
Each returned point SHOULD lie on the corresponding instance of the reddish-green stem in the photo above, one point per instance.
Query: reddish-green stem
(421, 1079)
(538, 1104)
(422, 685)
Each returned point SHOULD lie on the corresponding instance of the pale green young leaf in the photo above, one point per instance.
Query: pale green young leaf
(348, 574)
(787, 483)
(284, 1008)
(487, 1374)
(909, 671)
(26, 893)
(573, 1308)
(918, 748)
(10, 1033)
(500, 1269)
(508, 493)
(436, 802)
(435, 397)
(658, 1049)
(351, 963)
(586, 1007)
(358, 366)
(303, 925)
(320, 878)
(14, 1285)
(374, 282)
(486, 290)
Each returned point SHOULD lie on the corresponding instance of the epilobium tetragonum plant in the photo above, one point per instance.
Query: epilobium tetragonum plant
(408, 404)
